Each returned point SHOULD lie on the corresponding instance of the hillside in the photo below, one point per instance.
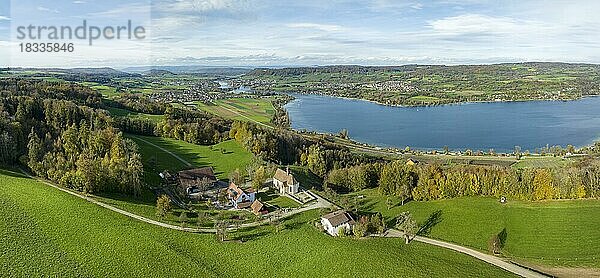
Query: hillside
(45, 232)
(435, 84)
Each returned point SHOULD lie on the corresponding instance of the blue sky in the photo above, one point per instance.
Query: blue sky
(285, 33)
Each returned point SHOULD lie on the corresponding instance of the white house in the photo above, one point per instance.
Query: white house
(332, 222)
(239, 198)
(285, 182)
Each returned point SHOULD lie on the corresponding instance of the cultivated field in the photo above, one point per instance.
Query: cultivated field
(46, 232)
(241, 109)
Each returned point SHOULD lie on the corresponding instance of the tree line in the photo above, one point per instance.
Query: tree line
(432, 181)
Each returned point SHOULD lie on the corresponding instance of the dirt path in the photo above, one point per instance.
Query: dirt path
(518, 270)
(319, 204)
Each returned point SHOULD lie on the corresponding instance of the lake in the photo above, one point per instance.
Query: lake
(478, 126)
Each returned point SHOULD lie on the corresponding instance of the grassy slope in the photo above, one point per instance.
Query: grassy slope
(46, 232)
(260, 110)
(562, 233)
(234, 156)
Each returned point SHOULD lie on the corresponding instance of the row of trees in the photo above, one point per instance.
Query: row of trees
(432, 182)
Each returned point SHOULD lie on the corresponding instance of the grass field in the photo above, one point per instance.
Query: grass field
(556, 233)
(224, 157)
(241, 109)
(541, 162)
(134, 115)
(45, 232)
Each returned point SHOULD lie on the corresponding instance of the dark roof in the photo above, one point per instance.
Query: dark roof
(339, 217)
(257, 207)
(198, 173)
(284, 176)
(244, 205)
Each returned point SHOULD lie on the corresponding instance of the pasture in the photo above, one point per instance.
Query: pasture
(46, 232)
(556, 233)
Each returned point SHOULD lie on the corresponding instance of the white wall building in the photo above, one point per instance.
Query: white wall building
(332, 222)
(285, 182)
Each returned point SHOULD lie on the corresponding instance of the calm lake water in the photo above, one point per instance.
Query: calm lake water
(478, 126)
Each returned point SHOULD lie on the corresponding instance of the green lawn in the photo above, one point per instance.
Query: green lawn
(224, 157)
(241, 109)
(556, 233)
(46, 232)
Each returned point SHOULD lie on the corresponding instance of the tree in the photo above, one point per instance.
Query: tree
(518, 152)
(542, 185)
(407, 225)
(376, 224)
(201, 218)
(163, 206)
(35, 153)
(259, 177)
(221, 229)
(236, 176)
(360, 228)
(389, 203)
(183, 219)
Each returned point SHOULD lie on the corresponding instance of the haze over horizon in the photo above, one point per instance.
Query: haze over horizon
(282, 33)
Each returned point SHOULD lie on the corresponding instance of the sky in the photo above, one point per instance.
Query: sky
(306, 33)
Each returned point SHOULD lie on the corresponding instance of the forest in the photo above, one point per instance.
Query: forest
(43, 126)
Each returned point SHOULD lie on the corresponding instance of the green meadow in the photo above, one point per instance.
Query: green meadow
(46, 232)
(555, 233)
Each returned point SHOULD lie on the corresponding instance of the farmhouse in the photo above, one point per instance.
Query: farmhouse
(285, 182)
(196, 180)
(332, 222)
(239, 198)
(411, 162)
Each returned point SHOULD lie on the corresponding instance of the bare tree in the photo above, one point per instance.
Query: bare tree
(407, 225)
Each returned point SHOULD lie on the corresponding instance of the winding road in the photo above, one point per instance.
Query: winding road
(319, 203)
(516, 269)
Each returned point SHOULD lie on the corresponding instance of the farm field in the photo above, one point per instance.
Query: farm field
(541, 162)
(46, 232)
(555, 233)
(241, 109)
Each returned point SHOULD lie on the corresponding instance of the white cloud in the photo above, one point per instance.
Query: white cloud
(475, 23)
(321, 27)
(44, 9)
(201, 6)
(3, 18)
(79, 2)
